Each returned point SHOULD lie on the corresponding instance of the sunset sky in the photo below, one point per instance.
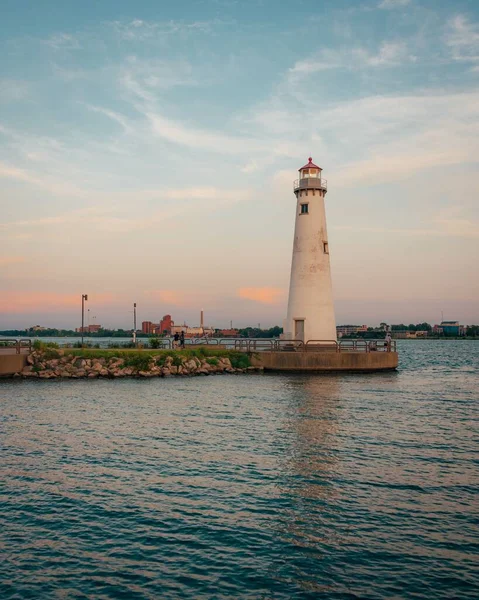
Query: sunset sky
(148, 150)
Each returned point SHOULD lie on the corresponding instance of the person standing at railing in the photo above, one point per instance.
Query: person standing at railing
(182, 339)
(387, 340)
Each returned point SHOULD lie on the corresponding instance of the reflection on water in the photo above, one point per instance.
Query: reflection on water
(265, 486)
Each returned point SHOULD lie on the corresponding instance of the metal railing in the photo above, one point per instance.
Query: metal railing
(251, 345)
(314, 183)
(254, 344)
(276, 345)
(205, 341)
(321, 346)
(17, 345)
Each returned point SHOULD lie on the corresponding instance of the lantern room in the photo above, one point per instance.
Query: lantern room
(310, 170)
(310, 178)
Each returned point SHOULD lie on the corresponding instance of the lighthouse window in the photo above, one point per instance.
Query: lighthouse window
(304, 209)
(325, 248)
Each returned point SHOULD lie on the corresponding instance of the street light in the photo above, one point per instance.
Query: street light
(84, 298)
(134, 323)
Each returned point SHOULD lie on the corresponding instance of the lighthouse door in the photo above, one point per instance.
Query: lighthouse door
(299, 329)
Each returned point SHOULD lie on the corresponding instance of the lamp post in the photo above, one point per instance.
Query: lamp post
(134, 323)
(84, 298)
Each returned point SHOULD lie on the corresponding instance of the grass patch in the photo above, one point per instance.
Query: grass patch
(42, 346)
(140, 361)
(140, 358)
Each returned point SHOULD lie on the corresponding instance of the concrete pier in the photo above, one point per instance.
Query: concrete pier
(326, 361)
(11, 363)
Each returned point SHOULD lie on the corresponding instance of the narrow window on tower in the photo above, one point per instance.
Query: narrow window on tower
(325, 248)
(304, 209)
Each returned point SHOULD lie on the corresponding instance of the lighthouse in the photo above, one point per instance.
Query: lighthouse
(310, 304)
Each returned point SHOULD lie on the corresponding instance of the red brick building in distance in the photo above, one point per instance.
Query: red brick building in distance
(165, 324)
(228, 332)
(88, 329)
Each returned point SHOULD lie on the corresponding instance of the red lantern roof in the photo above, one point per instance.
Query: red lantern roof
(310, 165)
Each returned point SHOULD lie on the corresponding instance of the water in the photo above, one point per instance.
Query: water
(261, 486)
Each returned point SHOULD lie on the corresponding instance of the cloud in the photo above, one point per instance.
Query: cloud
(47, 302)
(111, 217)
(139, 30)
(452, 222)
(168, 297)
(6, 261)
(263, 295)
(114, 116)
(44, 182)
(463, 39)
(12, 90)
(381, 139)
(392, 4)
(449, 221)
(63, 41)
(389, 54)
(195, 138)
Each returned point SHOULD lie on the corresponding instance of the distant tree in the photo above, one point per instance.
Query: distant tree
(472, 330)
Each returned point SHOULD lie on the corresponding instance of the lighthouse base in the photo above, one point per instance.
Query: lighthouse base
(326, 361)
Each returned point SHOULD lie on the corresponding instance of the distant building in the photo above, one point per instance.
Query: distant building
(405, 334)
(165, 325)
(342, 330)
(228, 332)
(37, 328)
(147, 327)
(449, 328)
(191, 332)
(88, 329)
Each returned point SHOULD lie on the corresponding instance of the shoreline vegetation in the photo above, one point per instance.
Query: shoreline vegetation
(154, 341)
(48, 361)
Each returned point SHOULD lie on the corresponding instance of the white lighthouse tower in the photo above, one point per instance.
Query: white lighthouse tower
(310, 304)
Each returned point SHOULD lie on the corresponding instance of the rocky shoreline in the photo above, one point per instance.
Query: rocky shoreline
(70, 366)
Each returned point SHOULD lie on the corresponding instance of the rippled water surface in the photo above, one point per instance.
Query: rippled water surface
(258, 486)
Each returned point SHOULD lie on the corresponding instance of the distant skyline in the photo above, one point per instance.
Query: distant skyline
(148, 150)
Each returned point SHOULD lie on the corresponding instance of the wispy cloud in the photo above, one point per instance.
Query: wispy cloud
(263, 295)
(463, 39)
(13, 90)
(6, 261)
(52, 186)
(389, 54)
(114, 116)
(47, 302)
(392, 4)
(110, 217)
(139, 30)
(63, 41)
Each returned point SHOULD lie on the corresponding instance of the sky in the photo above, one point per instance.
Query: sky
(148, 151)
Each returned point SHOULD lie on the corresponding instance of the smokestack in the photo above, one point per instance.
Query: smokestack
(201, 319)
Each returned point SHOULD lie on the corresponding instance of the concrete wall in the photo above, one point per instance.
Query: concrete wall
(12, 363)
(310, 290)
(326, 361)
